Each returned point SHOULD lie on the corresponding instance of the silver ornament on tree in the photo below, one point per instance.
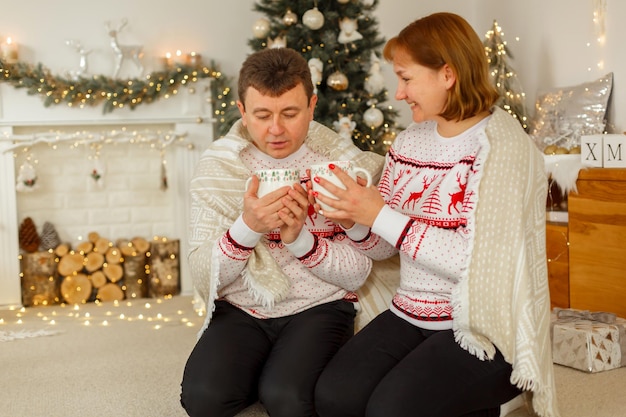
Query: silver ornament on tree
(373, 117)
(261, 28)
(290, 18)
(313, 18)
(337, 81)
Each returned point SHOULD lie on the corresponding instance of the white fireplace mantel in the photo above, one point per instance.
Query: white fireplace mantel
(189, 112)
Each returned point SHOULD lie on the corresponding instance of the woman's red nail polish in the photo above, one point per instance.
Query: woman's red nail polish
(315, 193)
(331, 166)
(316, 179)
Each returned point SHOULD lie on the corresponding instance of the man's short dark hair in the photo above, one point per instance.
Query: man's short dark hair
(273, 72)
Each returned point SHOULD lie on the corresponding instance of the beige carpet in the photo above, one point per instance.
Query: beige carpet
(126, 360)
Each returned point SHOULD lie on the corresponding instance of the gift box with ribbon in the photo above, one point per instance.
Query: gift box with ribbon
(589, 341)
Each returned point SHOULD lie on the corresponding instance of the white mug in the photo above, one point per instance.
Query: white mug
(273, 179)
(322, 171)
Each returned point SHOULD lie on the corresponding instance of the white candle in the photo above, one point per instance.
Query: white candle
(8, 51)
(166, 61)
(179, 58)
(194, 59)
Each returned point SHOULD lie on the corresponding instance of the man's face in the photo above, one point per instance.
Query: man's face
(278, 125)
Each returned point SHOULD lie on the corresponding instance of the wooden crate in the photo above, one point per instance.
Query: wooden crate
(557, 251)
(597, 235)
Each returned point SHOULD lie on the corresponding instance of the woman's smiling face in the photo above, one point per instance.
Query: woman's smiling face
(424, 89)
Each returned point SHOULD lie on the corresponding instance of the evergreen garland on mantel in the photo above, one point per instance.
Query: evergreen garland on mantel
(115, 94)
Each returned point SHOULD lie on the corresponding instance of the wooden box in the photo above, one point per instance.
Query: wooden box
(557, 251)
(597, 236)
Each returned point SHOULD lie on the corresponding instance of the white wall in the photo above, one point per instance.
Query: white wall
(552, 50)
(553, 41)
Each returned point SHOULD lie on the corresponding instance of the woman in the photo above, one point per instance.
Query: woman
(461, 201)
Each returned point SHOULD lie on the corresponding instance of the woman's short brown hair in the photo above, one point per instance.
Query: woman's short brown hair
(446, 38)
(273, 72)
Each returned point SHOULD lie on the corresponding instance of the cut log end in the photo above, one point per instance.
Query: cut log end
(76, 289)
(70, 264)
(110, 292)
(114, 272)
(141, 244)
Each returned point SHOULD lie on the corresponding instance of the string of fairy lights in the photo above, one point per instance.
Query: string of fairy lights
(74, 140)
(16, 319)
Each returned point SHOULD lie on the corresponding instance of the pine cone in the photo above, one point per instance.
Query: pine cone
(49, 237)
(28, 238)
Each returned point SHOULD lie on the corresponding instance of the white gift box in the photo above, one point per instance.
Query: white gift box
(590, 342)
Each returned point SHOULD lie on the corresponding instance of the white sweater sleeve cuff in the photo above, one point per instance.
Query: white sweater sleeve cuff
(243, 235)
(303, 243)
(357, 232)
(390, 224)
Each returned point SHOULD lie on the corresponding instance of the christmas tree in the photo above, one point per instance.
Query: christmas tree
(512, 98)
(341, 42)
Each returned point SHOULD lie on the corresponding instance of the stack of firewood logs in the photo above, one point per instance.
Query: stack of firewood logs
(100, 269)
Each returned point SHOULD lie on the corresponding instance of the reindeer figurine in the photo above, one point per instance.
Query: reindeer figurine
(82, 64)
(122, 52)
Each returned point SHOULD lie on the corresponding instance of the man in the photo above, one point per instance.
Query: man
(278, 278)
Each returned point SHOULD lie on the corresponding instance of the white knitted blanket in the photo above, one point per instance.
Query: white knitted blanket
(217, 198)
(504, 298)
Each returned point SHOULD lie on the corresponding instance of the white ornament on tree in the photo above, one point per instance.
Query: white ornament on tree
(373, 117)
(261, 28)
(349, 31)
(313, 19)
(375, 82)
(345, 126)
(367, 3)
(278, 42)
(317, 68)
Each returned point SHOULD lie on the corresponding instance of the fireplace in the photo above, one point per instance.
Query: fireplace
(122, 174)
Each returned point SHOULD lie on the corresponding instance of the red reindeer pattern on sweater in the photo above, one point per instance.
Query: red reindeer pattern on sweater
(432, 182)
